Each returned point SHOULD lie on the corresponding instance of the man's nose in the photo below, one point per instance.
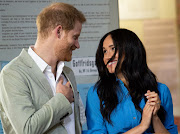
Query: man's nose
(77, 44)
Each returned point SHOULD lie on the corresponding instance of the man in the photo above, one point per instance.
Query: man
(37, 92)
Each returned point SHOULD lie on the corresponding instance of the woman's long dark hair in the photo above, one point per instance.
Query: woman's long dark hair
(134, 69)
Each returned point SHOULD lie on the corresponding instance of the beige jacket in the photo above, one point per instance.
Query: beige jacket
(27, 104)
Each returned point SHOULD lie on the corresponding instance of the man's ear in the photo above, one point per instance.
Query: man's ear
(59, 31)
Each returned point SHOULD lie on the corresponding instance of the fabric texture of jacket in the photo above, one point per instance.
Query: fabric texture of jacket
(27, 104)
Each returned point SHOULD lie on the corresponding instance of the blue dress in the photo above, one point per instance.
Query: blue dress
(1, 129)
(125, 116)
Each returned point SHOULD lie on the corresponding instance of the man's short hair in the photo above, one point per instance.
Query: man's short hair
(58, 14)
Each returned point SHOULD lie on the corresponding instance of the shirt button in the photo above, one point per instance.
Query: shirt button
(134, 118)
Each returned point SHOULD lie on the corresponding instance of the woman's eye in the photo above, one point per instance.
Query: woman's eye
(113, 48)
(104, 51)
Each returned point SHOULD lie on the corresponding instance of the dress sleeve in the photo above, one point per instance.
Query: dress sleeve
(166, 102)
(95, 122)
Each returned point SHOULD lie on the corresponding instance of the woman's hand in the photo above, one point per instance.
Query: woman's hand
(145, 122)
(147, 116)
(153, 100)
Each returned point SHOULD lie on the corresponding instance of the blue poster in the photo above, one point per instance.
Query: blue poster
(1, 129)
(83, 90)
(3, 63)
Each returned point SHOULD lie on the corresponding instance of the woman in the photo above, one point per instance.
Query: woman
(127, 97)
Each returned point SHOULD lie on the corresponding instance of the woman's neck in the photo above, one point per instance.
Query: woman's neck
(121, 77)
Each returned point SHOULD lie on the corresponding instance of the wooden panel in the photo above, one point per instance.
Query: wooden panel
(162, 52)
(177, 122)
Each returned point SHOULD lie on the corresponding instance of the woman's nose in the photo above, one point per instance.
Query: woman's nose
(108, 55)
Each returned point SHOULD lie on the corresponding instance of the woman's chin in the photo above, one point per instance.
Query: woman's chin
(111, 71)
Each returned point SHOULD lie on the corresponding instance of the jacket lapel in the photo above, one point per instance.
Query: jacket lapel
(36, 73)
(70, 77)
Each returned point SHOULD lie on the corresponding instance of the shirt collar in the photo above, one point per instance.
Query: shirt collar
(42, 64)
(120, 81)
(59, 69)
(38, 60)
(123, 88)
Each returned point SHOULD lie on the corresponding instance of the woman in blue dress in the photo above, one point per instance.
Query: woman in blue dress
(127, 97)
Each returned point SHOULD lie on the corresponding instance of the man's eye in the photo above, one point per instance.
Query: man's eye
(75, 38)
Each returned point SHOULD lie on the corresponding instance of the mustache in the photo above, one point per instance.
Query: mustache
(73, 47)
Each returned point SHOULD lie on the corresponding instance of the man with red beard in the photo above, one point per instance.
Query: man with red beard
(38, 93)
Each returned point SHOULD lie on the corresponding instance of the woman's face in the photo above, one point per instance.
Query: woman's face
(109, 50)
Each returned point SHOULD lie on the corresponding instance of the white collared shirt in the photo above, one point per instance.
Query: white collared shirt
(69, 122)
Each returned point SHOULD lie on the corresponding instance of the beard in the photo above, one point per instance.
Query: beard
(63, 54)
(63, 50)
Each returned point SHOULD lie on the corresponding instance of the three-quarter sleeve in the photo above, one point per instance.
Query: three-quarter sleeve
(167, 103)
(95, 122)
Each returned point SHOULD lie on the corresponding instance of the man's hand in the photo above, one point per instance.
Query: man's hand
(66, 90)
